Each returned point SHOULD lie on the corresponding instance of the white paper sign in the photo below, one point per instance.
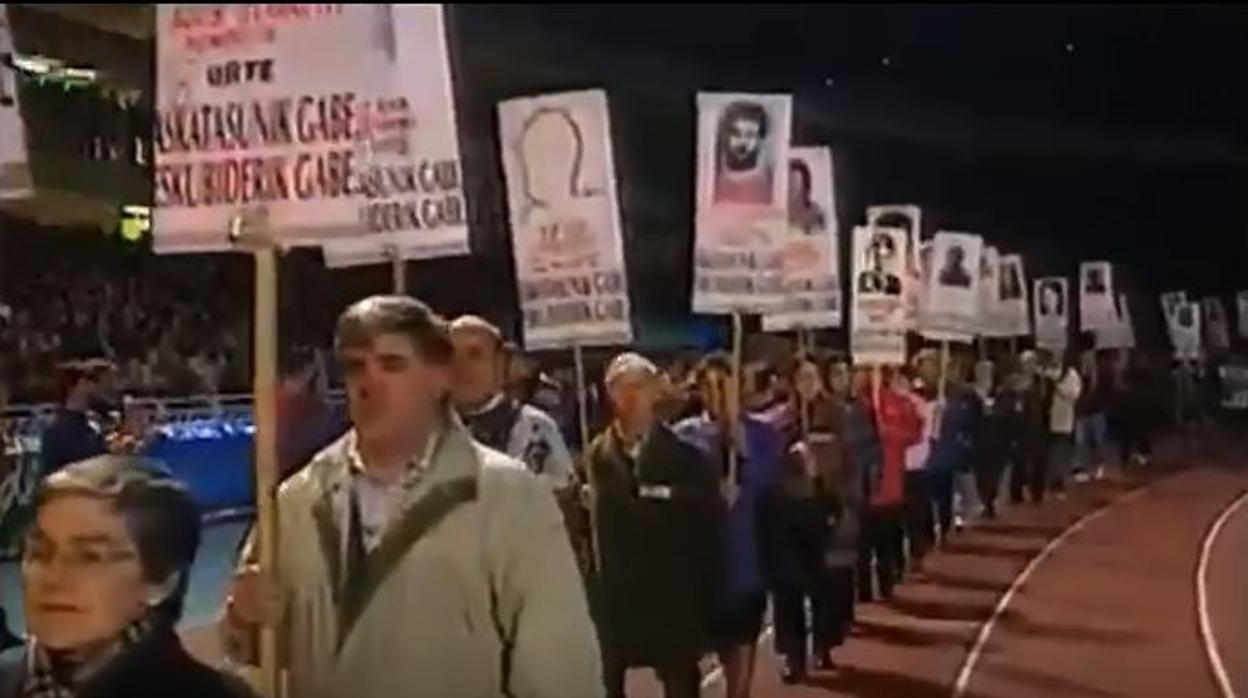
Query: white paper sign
(1052, 306)
(742, 201)
(1122, 334)
(909, 218)
(1096, 296)
(1185, 331)
(565, 220)
(1217, 334)
(989, 272)
(878, 329)
(322, 123)
(951, 304)
(1241, 304)
(810, 259)
(1125, 322)
(1012, 303)
(15, 180)
(1170, 302)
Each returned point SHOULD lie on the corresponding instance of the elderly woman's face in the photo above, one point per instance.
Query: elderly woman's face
(81, 575)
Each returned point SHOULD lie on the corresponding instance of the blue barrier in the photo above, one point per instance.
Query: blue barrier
(212, 456)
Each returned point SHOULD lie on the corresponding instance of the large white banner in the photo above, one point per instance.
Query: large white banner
(1012, 303)
(565, 219)
(907, 217)
(810, 260)
(320, 123)
(1217, 334)
(1052, 306)
(1241, 306)
(1096, 296)
(15, 181)
(1185, 331)
(878, 329)
(951, 303)
(742, 201)
(989, 272)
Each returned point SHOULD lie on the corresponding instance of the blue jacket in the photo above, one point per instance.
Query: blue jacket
(759, 470)
(954, 444)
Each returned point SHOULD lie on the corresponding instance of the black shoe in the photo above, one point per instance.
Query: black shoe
(793, 672)
(824, 661)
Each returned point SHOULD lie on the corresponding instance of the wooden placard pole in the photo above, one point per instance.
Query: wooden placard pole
(398, 271)
(803, 405)
(582, 412)
(264, 251)
(734, 409)
(944, 369)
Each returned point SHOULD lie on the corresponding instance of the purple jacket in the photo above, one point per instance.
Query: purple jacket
(758, 470)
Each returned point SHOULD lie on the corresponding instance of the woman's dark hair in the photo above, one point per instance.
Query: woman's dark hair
(159, 514)
(718, 361)
(402, 315)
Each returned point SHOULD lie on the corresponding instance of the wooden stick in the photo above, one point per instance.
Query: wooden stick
(398, 271)
(944, 368)
(734, 409)
(265, 389)
(582, 412)
(877, 377)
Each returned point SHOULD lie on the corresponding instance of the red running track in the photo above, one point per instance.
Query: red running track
(1109, 610)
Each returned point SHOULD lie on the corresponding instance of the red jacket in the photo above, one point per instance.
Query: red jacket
(900, 427)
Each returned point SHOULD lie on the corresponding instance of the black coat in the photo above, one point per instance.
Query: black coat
(658, 523)
(158, 667)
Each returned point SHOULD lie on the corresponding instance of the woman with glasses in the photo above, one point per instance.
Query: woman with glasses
(104, 573)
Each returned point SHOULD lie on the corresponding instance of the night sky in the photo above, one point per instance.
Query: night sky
(1063, 133)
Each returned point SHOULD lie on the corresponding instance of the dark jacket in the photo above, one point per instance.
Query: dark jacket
(954, 445)
(1022, 419)
(658, 523)
(158, 667)
(809, 525)
(862, 446)
(68, 439)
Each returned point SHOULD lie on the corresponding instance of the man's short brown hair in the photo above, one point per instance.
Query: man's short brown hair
(402, 315)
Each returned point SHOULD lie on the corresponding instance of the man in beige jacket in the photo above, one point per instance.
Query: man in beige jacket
(413, 560)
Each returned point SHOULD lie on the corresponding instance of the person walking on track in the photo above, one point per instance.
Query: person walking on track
(658, 522)
(413, 560)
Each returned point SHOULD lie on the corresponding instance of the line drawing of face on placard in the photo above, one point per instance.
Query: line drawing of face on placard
(550, 150)
(743, 170)
(1094, 281)
(805, 215)
(1052, 300)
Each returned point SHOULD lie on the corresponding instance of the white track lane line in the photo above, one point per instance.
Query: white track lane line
(1207, 636)
(972, 658)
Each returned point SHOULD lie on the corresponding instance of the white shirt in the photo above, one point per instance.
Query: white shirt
(379, 503)
(930, 412)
